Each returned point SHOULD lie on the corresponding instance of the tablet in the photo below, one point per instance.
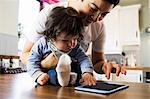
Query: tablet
(102, 87)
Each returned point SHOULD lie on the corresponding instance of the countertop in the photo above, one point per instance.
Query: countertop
(137, 68)
(20, 86)
(9, 56)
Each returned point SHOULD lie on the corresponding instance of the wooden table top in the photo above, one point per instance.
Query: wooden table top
(137, 68)
(9, 56)
(20, 86)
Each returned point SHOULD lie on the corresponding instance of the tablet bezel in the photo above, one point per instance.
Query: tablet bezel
(81, 88)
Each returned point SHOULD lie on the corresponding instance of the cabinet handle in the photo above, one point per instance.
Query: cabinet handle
(116, 43)
(140, 78)
(136, 34)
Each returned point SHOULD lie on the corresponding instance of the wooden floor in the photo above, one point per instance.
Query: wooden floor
(20, 86)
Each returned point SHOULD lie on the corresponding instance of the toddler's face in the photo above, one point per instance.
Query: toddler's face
(65, 42)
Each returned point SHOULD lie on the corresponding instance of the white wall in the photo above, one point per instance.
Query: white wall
(28, 10)
(9, 16)
(9, 26)
(145, 49)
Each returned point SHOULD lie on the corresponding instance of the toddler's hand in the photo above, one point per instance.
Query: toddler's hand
(43, 79)
(88, 79)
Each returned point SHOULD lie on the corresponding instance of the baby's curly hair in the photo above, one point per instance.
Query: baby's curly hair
(64, 20)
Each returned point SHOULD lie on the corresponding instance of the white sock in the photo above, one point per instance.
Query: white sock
(63, 69)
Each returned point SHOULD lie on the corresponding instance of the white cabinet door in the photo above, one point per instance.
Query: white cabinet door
(129, 25)
(1, 44)
(131, 76)
(111, 22)
(102, 76)
(8, 44)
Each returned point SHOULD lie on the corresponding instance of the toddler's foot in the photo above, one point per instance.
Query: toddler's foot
(63, 70)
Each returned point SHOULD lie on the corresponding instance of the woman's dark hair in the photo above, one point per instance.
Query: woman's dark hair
(65, 20)
(115, 2)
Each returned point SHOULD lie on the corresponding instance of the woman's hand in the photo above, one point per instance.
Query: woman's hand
(43, 79)
(88, 79)
(108, 66)
(100, 66)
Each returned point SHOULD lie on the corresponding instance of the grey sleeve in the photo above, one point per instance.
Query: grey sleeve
(84, 61)
(34, 60)
(99, 39)
(37, 26)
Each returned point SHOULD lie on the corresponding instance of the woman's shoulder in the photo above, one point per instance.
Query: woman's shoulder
(49, 7)
(95, 29)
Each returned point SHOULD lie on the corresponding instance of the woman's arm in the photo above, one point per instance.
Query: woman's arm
(26, 50)
(101, 66)
(49, 62)
(98, 61)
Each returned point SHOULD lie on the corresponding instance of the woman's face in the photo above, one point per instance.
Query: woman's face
(92, 10)
(65, 42)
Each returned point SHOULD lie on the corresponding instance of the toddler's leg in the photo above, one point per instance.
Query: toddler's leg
(75, 67)
(52, 77)
(63, 70)
(73, 78)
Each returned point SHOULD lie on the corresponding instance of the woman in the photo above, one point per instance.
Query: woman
(93, 11)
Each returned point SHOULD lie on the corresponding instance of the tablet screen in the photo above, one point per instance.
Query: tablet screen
(103, 86)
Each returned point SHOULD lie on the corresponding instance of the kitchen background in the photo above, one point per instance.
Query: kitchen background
(127, 29)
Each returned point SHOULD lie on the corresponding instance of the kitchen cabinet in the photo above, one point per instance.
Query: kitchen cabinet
(102, 76)
(131, 76)
(3, 43)
(8, 44)
(122, 28)
(111, 22)
(129, 24)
